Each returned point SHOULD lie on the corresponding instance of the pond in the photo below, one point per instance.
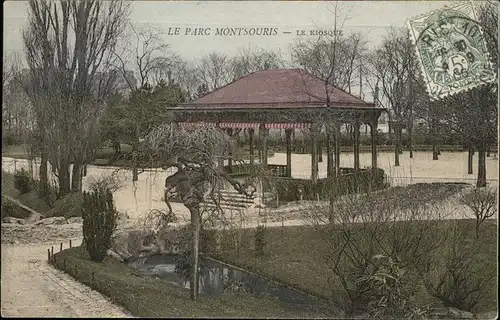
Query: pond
(217, 278)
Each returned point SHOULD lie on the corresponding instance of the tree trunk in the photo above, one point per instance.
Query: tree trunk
(117, 147)
(410, 135)
(230, 159)
(470, 159)
(400, 141)
(135, 173)
(435, 153)
(76, 177)
(320, 150)
(438, 139)
(481, 168)
(44, 177)
(135, 148)
(288, 133)
(64, 178)
(251, 144)
(329, 153)
(396, 150)
(258, 144)
(390, 128)
(331, 207)
(195, 247)
(9, 119)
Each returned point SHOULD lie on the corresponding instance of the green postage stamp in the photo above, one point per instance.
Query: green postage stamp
(452, 50)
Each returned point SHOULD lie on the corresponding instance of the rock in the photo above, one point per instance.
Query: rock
(75, 220)
(133, 243)
(52, 220)
(114, 255)
(14, 220)
(34, 217)
(130, 244)
(449, 313)
(169, 240)
(487, 315)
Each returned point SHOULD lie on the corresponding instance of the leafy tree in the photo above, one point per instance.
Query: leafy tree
(128, 120)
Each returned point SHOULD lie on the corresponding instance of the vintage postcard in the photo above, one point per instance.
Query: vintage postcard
(250, 159)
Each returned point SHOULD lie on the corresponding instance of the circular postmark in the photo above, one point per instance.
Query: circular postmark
(453, 51)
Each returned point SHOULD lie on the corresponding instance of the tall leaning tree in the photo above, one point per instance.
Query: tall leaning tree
(68, 47)
(194, 152)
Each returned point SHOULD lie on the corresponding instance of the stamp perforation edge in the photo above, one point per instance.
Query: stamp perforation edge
(426, 77)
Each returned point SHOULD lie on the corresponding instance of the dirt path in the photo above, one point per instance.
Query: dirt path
(33, 288)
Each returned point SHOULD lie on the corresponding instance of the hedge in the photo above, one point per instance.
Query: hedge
(290, 189)
(149, 297)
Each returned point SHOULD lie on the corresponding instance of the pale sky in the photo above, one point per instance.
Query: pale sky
(371, 18)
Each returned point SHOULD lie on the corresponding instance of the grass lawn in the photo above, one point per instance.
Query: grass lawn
(147, 297)
(293, 256)
(29, 199)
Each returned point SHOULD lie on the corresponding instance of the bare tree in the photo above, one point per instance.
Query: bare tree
(482, 202)
(68, 48)
(214, 70)
(145, 54)
(194, 153)
(143, 60)
(16, 112)
(250, 60)
(186, 76)
(334, 60)
(395, 67)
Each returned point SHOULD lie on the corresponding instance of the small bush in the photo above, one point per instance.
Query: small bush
(9, 209)
(386, 291)
(483, 204)
(47, 192)
(99, 221)
(260, 240)
(457, 276)
(208, 241)
(68, 207)
(10, 138)
(22, 181)
(183, 265)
